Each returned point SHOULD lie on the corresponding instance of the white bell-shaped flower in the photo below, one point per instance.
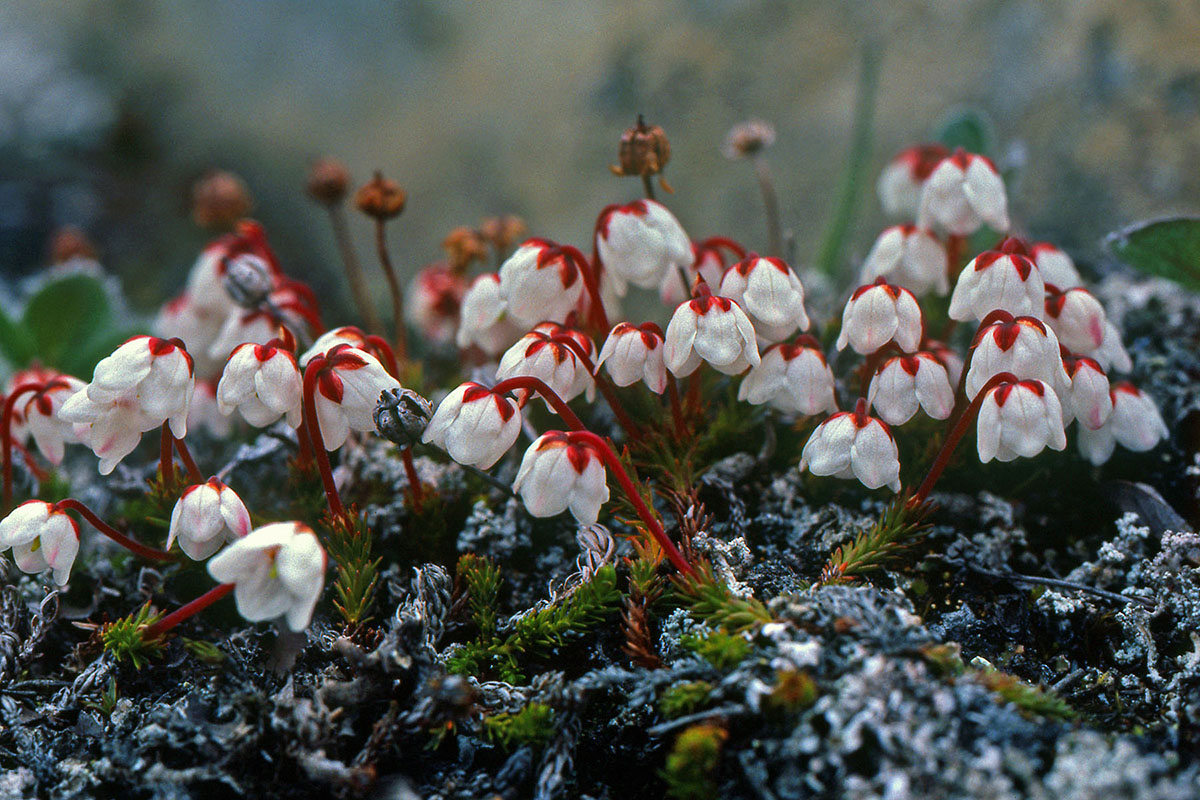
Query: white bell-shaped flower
(147, 381)
(41, 413)
(347, 392)
(1077, 318)
(905, 383)
(634, 353)
(962, 193)
(540, 282)
(1089, 397)
(880, 313)
(196, 326)
(1023, 346)
(900, 182)
(792, 377)
(277, 570)
(641, 243)
(474, 425)
(1112, 355)
(1135, 423)
(484, 320)
(908, 256)
(998, 280)
(41, 537)
(433, 302)
(560, 472)
(770, 293)
(1019, 419)
(262, 383)
(851, 444)
(206, 516)
(347, 334)
(543, 354)
(713, 329)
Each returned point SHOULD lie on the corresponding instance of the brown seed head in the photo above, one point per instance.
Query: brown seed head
(328, 181)
(462, 246)
(219, 200)
(380, 198)
(70, 242)
(503, 232)
(748, 138)
(644, 150)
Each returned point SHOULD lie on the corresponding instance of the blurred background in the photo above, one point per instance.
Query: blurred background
(109, 112)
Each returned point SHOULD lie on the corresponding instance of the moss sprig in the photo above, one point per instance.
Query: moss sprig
(710, 601)
(357, 575)
(896, 530)
(125, 637)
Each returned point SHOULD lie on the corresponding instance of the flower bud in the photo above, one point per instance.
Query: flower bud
(770, 293)
(644, 150)
(713, 329)
(401, 416)
(559, 472)
(854, 445)
(963, 192)
(540, 354)
(905, 382)
(207, 516)
(380, 198)
(1077, 318)
(1089, 397)
(41, 537)
(1135, 423)
(792, 377)
(328, 181)
(1023, 346)
(474, 425)
(641, 243)
(908, 256)
(880, 313)
(1019, 420)
(540, 282)
(1003, 279)
(634, 353)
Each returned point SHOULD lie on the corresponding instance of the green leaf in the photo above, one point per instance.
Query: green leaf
(1168, 248)
(16, 342)
(64, 315)
(968, 129)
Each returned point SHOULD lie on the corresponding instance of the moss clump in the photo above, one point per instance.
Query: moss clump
(684, 698)
(125, 638)
(532, 725)
(693, 761)
(722, 650)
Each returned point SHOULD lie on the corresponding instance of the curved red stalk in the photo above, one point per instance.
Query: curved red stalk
(311, 373)
(194, 473)
(6, 442)
(140, 549)
(532, 384)
(385, 353)
(606, 388)
(591, 282)
(190, 609)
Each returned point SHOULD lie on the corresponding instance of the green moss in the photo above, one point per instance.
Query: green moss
(684, 698)
(722, 650)
(693, 761)
(125, 638)
(532, 725)
(711, 602)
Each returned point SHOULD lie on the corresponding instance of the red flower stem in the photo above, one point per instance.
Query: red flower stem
(414, 482)
(189, 610)
(727, 243)
(606, 388)
(531, 384)
(676, 409)
(305, 455)
(194, 473)
(311, 373)
(656, 530)
(6, 441)
(166, 461)
(386, 354)
(140, 549)
(956, 434)
(385, 261)
(591, 282)
(693, 393)
(956, 246)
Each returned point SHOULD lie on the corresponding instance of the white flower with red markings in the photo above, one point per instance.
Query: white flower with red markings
(770, 293)
(544, 353)
(708, 263)
(1089, 398)
(145, 382)
(880, 313)
(559, 471)
(262, 382)
(1003, 279)
(900, 182)
(947, 357)
(1019, 420)
(908, 256)
(905, 383)
(963, 192)
(792, 377)
(1112, 355)
(206, 516)
(277, 570)
(713, 329)
(853, 445)
(1135, 423)
(1056, 266)
(206, 281)
(347, 334)
(641, 243)
(541, 281)
(474, 425)
(634, 353)
(35, 375)
(1023, 346)
(433, 302)
(40, 412)
(41, 537)
(483, 320)
(1077, 318)
(348, 386)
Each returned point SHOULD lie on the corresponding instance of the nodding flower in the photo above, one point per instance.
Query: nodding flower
(1019, 419)
(770, 293)
(908, 256)
(484, 320)
(905, 383)
(41, 537)
(1135, 423)
(41, 414)
(544, 353)
(277, 570)
(880, 313)
(145, 382)
(433, 302)
(1078, 319)
(792, 377)
(713, 329)
(851, 444)
(558, 473)
(263, 383)
(541, 281)
(634, 353)
(475, 425)
(348, 384)
(641, 243)
(1088, 398)
(1024, 346)
(963, 192)
(901, 181)
(1003, 279)
(207, 516)
(1057, 268)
